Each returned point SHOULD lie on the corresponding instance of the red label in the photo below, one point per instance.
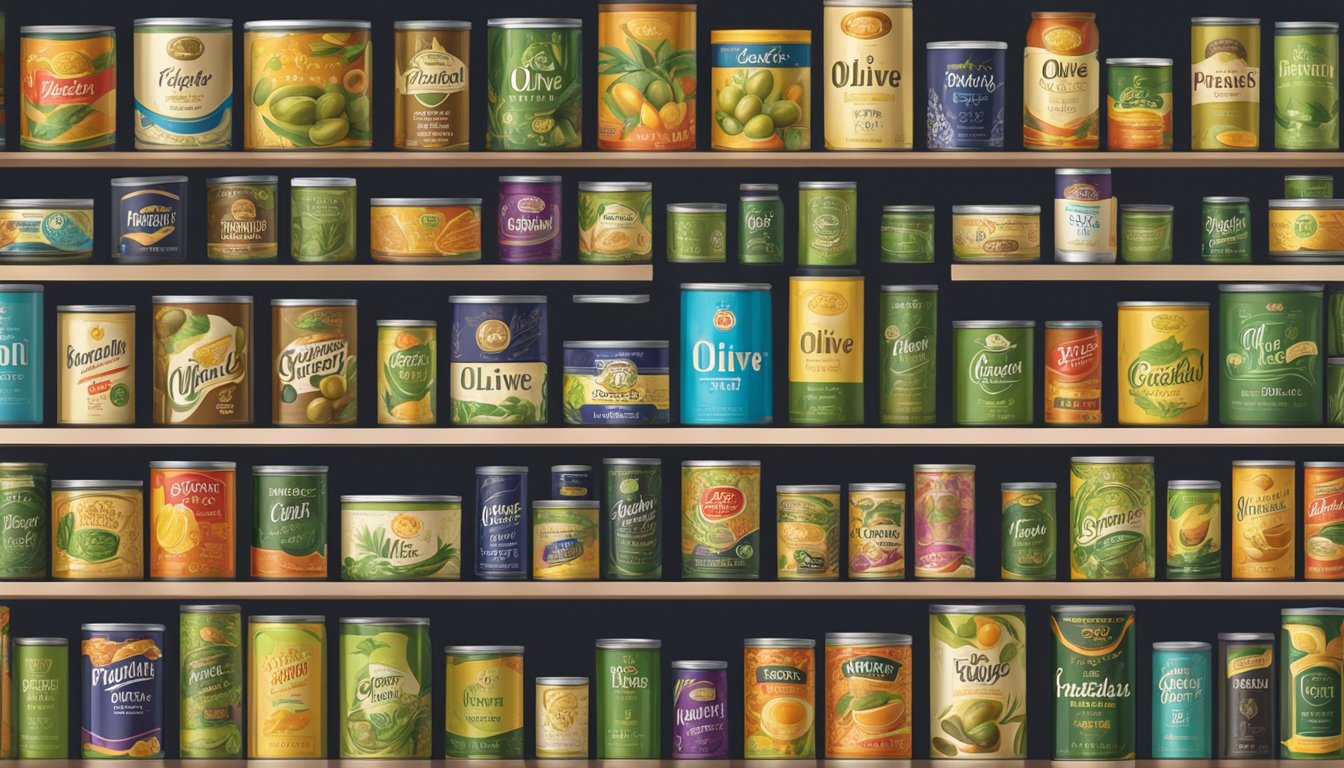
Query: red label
(45, 88)
(721, 502)
(1076, 356)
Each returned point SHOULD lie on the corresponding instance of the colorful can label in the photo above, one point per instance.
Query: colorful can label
(995, 365)
(720, 519)
(1028, 531)
(565, 538)
(433, 85)
(289, 522)
(1162, 363)
(408, 372)
(1306, 230)
(46, 231)
(978, 681)
(634, 518)
(826, 349)
(877, 531)
(123, 691)
(629, 699)
(183, 85)
(725, 353)
(241, 218)
(501, 523)
(192, 509)
(1226, 234)
(755, 68)
(1073, 372)
(944, 521)
(211, 682)
(25, 521)
(308, 83)
(1085, 215)
(202, 353)
(322, 219)
(1309, 187)
(401, 538)
(656, 109)
(572, 481)
(425, 230)
(828, 223)
(1094, 674)
(1272, 366)
(287, 687)
(42, 698)
(907, 235)
(530, 219)
(996, 233)
(498, 363)
(869, 64)
(68, 80)
(562, 717)
(779, 695)
(807, 526)
(616, 382)
(760, 227)
(1313, 656)
(700, 710)
(1138, 104)
(95, 379)
(1264, 511)
(908, 386)
(386, 688)
(868, 696)
(1322, 519)
(1306, 85)
(966, 94)
(313, 342)
(1225, 83)
(21, 351)
(534, 84)
(1062, 102)
(1112, 518)
(149, 219)
(1194, 529)
(97, 530)
(615, 222)
(6, 687)
(484, 693)
(1182, 701)
(1246, 706)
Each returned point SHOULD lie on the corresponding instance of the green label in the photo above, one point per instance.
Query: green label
(696, 237)
(42, 701)
(1309, 189)
(907, 237)
(1094, 685)
(628, 703)
(909, 355)
(289, 514)
(25, 514)
(1335, 395)
(1272, 362)
(993, 378)
(825, 402)
(761, 232)
(1111, 521)
(1145, 237)
(1194, 547)
(211, 684)
(409, 375)
(1309, 719)
(1306, 91)
(485, 706)
(634, 522)
(385, 691)
(1029, 534)
(534, 90)
(826, 227)
(1227, 234)
(322, 223)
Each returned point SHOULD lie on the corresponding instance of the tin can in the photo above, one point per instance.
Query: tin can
(1246, 702)
(401, 538)
(1138, 104)
(2, 146)
(907, 234)
(807, 528)
(1085, 216)
(634, 518)
(826, 347)
(202, 354)
(68, 77)
(97, 530)
(408, 372)
(944, 521)
(977, 681)
(484, 696)
(1306, 230)
(720, 519)
(656, 110)
(7, 746)
(42, 699)
(1306, 85)
(1028, 537)
(1264, 511)
(877, 531)
(1182, 701)
(192, 519)
(1162, 362)
(432, 102)
(534, 84)
(870, 63)
(502, 529)
(779, 698)
(313, 344)
(425, 230)
(908, 391)
(828, 223)
(725, 353)
(1225, 83)
(562, 717)
(309, 85)
(1309, 719)
(1335, 321)
(760, 224)
(95, 380)
(697, 232)
(322, 219)
(183, 83)
(386, 678)
(46, 230)
(287, 686)
(1112, 518)
(25, 520)
(615, 222)
(629, 699)
(1272, 366)
(241, 219)
(700, 710)
(149, 219)
(1323, 519)
(1062, 90)
(966, 94)
(1095, 688)
(868, 695)
(1334, 392)
(755, 67)
(994, 368)
(211, 682)
(1309, 187)
(1194, 530)
(1146, 233)
(289, 522)
(122, 667)
(572, 481)
(1227, 230)
(1073, 372)
(498, 363)
(996, 232)
(530, 220)
(565, 540)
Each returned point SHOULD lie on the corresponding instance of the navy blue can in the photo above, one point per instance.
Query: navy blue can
(123, 691)
(149, 218)
(572, 481)
(498, 362)
(616, 383)
(966, 84)
(501, 523)
(725, 353)
(21, 349)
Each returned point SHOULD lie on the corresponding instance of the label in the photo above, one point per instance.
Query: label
(1162, 368)
(1227, 233)
(700, 713)
(1111, 521)
(564, 543)
(529, 221)
(1272, 358)
(1305, 232)
(1028, 534)
(826, 351)
(432, 88)
(1225, 87)
(97, 534)
(385, 680)
(966, 96)
(760, 231)
(977, 685)
(629, 703)
(241, 221)
(634, 521)
(191, 518)
(616, 386)
(616, 227)
(201, 365)
(501, 528)
(656, 110)
(286, 671)
(408, 368)
(1323, 521)
(827, 227)
(769, 67)
(498, 365)
(1146, 237)
(909, 355)
(401, 540)
(32, 233)
(41, 701)
(25, 538)
(315, 365)
(1246, 717)
(720, 522)
(944, 524)
(1138, 107)
(1073, 375)
(907, 238)
(1264, 505)
(184, 88)
(1309, 719)
(322, 224)
(150, 224)
(1194, 533)
(1063, 85)
(211, 685)
(1085, 216)
(309, 88)
(485, 706)
(1094, 685)
(123, 694)
(868, 701)
(726, 362)
(289, 526)
(869, 56)
(697, 237)
(562, 720)
(996, 237)
(425, 233)
(535, 89)
(69, 90)
(993, 383)
(876, 534)
(778, 694)
(1182, 703)
(807, 527)
(1306, 81)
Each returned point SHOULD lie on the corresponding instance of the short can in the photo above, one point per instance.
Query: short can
(760, 224)
(183, 85)
(1248, 695)
(1225, 83)
(572, 481)
(1138, 104)
(562, 717)
(634, 518)
(779, 696)
(807, 529)
(908, 355)
(725, 353)
(530, 221)
(870, 65)
(826, 347)
(95, 375)
(615, 222)
(994, 372)
(123, 706)
(202, 360)
(1306, 230)
(21, 353)
(1162, 359)
(1085, 216)
(211, 682)
(1306, 85)
(322, 219)
(876, 531)
(46, 230)
(1308, 187)
(1112, 519)
(1096, 690)
(498, 363)
(1309, 717)
(1323, 519)
(761, 80)
(40, 719)
(1264, 519)
(699, 710)
(483, 689)
(697, 232)
(1225, 232)
(313, 344)
(386, 679)
(289, 522)
(616, 383)
(721, 519)
(534, 84)
(965, 105)
(1028, 531)
(907, 234)
(1146, 232)
(408, 372)
(308, 85)
(425, 230)
(943, 521)
(978, 681)
(192, 519)
(401, 538)
(996, 232)
(432, 104)
(1073, 372)
(565, 540)
(25, 509)
(286, 687)
(656, 109)
(828, 223)
(68, 78)
(629, 699)
(1061, 103)
(1194, 530)
(241, 219)
(868, 695)
(149, 219)
(1273, 364)
(97, 529)
(1182, 701)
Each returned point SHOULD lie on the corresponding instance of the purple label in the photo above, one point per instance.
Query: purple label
(529, 221)
(1082, 186)
(701, 709)
(123, 693)
(965, 109)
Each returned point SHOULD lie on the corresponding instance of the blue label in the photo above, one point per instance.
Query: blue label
(571, 485)
(762, 55)
(965, 109)
(501, 525)
(499, 333)
(21, 349)
(1182, 704)
(151, 223)
(725, 357)
(123, 694)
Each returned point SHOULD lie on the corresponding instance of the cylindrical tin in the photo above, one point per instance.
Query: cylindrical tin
(655, 112)
(41, 698)
(1112, 518)
(868, 695)
(908, 355)
(566, 540)
(697, 232)
(211, 682)
(572, 481)
(1028, 531)
(408, 372)
(1309, 187)
(1073, 372)
(978, 681)
(1323, 519)
(1095, 686)
(530, 221)
(386, 678)
(484, 695)
(535, 84)
(433, 85)
(725, 353)
(1225, 83)
(313, 345)
(46, 230)
(25, 508)
(1313, 652)
(286, 687)
(425, 230)
(562, 717)
(1138, 104)
(826, 347)
(907, 234)
(828, 223)
(1264, 524)
(322, 219)
(634, 518)
(95, 378)
(1273, 361)
(202, 358)
(1306, 230)
(966, 81)
(241, 218)
(616, 383)
(807, 529)
(1306, 85)
(401, 538)
(994, 368)
(502, 529)
(1334, 391)
(1085, 216)
(629, 699)
(1162, 362)
(1182, 701)
(1061, 101)
(68, 78)
(760, 224)
(753, 68)
(699, 710)
(943, 520)
(97, 529)
(870, 64)
(1194, 530)
(123, 691)
(615, 222)
(149, 219)
(183, 85)
(779, 695)
(876, 531)
(1226, 233)
(1247, 697)
(1146, 233)
(289, 522)
(720, 519)
(192, 519)
(996, 232)
(498, 364)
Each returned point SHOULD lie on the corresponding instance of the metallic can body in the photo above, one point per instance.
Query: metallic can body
(21, 354)
(562, 717)
(502, 528)
(193, 509)
(721, 519)
(1028, 535)
(1073, 372)
(615, 222)
(807, 530)
(42, 698)
(408, 372)
(1182, 701)
(123, 691)
(1309, 717)
(1112, 526)
(1095, 687)
(876, 531)
(943, 521)
(994, 233)
(534, 84)
(1146, 234)
(966, 94)
(25, 520)
(726, 354)
(634, 518)
(1264, 524)
(994, 369)
(1249, 696)
(183, 84)
(566, 538)
(498, 360)
(697, 233)
(1138, 104)
(629, 699)
(211, 682)
(908, 383)
(753, 67)
(828, 223)
(869, 64)
(779, 695)
(1273, 364)
(386, 656)
(1061, 104)
(97, 529)
(572, 481)
(202, 360)
(826, 348)
(530, 221)
(1085, 216)
(1308, 187)
(1194, 530)
(308, 85)
(699, 710)
(1163, 357)
(656, 113)
(322, 226)
(760, 227)
(433, 85)
(70, 110)
(1306, 85)
(242, 218)
(907, 234)
(149, 219)
(401, 538)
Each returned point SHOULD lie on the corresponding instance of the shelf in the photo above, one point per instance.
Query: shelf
(563, 763)
(311, 273)
(1118, 273)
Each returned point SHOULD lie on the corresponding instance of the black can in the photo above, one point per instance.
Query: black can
(572, 481)
(1246, 706)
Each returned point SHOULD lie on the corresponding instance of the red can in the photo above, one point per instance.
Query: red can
(1323, 519)
(191, 516)
(1073, 372)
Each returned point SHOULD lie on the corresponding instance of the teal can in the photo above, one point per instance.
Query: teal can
(908, 355)
(1226, 235)
(907, 234)
(992, 380)
(21, 349)
(1182, 701)
(1273, 366)
(760, 224)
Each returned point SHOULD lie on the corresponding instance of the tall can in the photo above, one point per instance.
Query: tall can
(779, 695)
(1162, 358)
(183, 83)
(725, 353)
(97, 529)
(1112, 526)
(876, 531)
(408, 372)
(1264, 519)
(1028, 531)
(978, 681)
(484, 697)
(966, 80)
(192, 519)
(502, 528)
(202, 358)
(629, 699)
(807, 528)
(313, 343)
(1313, 653)
(868, 695)
(42, 698)
(562, 717)
(753, 68)
(68, 80)
(1194, 530)
(95, 375)
(992, 383)
(869, 74)
(828, 223)
(530, 222)
(1323, 519)
(289, 522)
(760, 224)
(1095, 688)
(1247, 699)
(1182, 701)
(1225, 236)
(908, 355)
(1085, 216)
(1273, 365)
(826, 347)
(6, 687)
(123, 691)
(286, 687)
(572, 481)
(25, 521)
(498, 363)
(386, 680)
(655, 109)
(1073, 372)
(634, 518)
(944, 521)
(1224, 83)
(1306, 85)
(699, 710)
(433, 85)
(211, 682)
(308, 84)
(1062, 91)
(721, 519)
(534, 84)
(21, 351)
(1138, 104)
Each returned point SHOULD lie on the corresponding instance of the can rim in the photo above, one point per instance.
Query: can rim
(1313, 611)
(104, 308)
(977, 608)
(802, 185)
(571, 468)
(407, 323)
(909, 209)
(1196, 485)
(1244, 637)
(1323, 465)
(725, 287)
(721, 463)
(216, 465)
(1225, 199)
(1181, 645)
(392, 621)
(1224, 21)
(1323, 26)
(753, 186)
(386, 498)
(862, 487)
(211, 608)
(432, 24)
(1263, 463)
(323, 181)
(697, 208)
(1093, 608)
(73, 203)
(1138, 61)
(615, 186)
(17, 465)
(1307, 203)
(531, 179)
(137, 181)
(1028, 486)
(534, 22)
(53, 641)
(187, 299)
(1308, 177)
(612, 344)
(280, 24)
(37, 30)
(963, 210)
(610, 298)
(994, 45)
(562, 681)
(394, 202)
(867, 638)
(314, 302)
(184, 21)
(699, 664)
(96, 485)
(472, 649)
(1271, 287)
(497, 299)
(911, 288)
(565, 504)
(263, 179)
(629, 642)
(1111, 459)
(280, 618)
(779, 642)
(1152, 304)
(290, 469)
(823, 488)
(114, 626)
(1146, 208)
(1082, 171)
(632, 462)
(993, 323)
(501, 469)
(1072, 323)
(943, 467)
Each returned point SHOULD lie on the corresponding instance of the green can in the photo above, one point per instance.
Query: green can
(1194, 530)
(1306, 85)
(994, 364)
(634, 501)
(828, 223)
(42, 697)
(697, 232)
(907, 234)
(615, 222)
(322, 219)
(25, 508)
(1028, 531)
(1272, 366)
(211, 682)
(1094, 679)
(760, 225)
(1334, 407)
(1226, 236)
(629, 699)
(1111, 518)
(534, 84)
(289, 522)
(386, 688)
(1309, 187)
(1145, 233)
(1312, 654)
(1335, 322)
(484, 717)
(908, 385)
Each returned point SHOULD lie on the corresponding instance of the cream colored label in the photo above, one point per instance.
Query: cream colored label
(201, 364)
(1003, 237)
(1063, 92)
(184, 88)
(869, 66)
(562, 720)
(96, 368)
(1085, 226)
(97, 535)
(498, 393)
(400, 541)
(1224, 77)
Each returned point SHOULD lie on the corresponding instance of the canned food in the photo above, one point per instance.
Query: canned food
(123, 691)
(408, 372)
(565, 538)
(656, 111)
(401, 538)
(720, 519)
(996, 232)
(966, 94)
(869, 57)
(1182, 701)
(183, 84)
(1146, 233)
(501, 523)
(1264, 508)
(1323, 519)
(1072, 372)
(1306, 230)
(1062, 91)
(616, 382)
(1309, 187)
(977, 681)
(1225, 83)
(535, 84)
(95, 380)
(289, 522)
(826, 347)
(386, 679)
(313, 341)
(1227, 230)
(634, 518)
(1272, 366)
(615, 222)
(725, 353)
(828, 223)
(192, 519)
(807, 526)
(700, 710)
(1095, 688)
(779, 696)
(1246, 717)
(1085, 216)
(753, 68)
(97, 530)
(202, 349)
(432, 103)
(696, 232)
(211, 682)
(1309, 720)
(484, 694)
(529, 219)
(46, 230)
(42, 697)
(498, 362)
(1194, 529)
(149, 219)
(629, 699)
(1138, 104)
(907, 234)
(944, 521)
(562, 717)
(760, 225)
(287, 686)
(309, 85)
(877, 530)
(1306, 85)
(425, 229)
(68, 75)
(868, 695)
(25, 509)
(3, 748)
(1028, 536)
(322, 219)
(1112, 527)
(572, 481)
(240, 218)
(908, 387)
(1334, 391)
(995, 364)
(1162, 362)
(21, 354)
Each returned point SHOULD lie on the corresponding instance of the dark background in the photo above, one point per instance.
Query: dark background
(559, 634)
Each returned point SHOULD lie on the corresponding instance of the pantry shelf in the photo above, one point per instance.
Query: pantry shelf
(1117, 273)
(563, 763)
(309, 273)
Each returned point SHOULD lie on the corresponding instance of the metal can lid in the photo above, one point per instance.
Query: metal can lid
(78, 203)
(944, 467)
(104, 308)
(1027, 486)
(142, 181)
(994, 45)
(286, 619)
(314, 302)
(67, 29)
(1146, 208)
(1072, 323)
(1111, 459)
(708, 463)
(431, 24)
(1195, 485)
(213, 465)
(779, 642)
(1181, 645)
(1138, 62)
(633, 462)
(978, 608)
(296, 24)
(868, 3)
(562, 681)
(1271, 287)
(497, 299)
(565, 504)
(770, 188)
(185, 21)
(289, 469)
(95, 485)
(628, 642)
(610, 298)
(401, 499)
(397, 621)
(697, 208)
(1086, 609)
(1317, 611)
(699, 664)
(571, 468)
(512, 650)
(828, 185)
(1306, 26)
(1323, 465)
(41, 641)
(1082, 171)
(202, 299)
(725, 286)
(218, 608)
(394, 202)
(530, 179)
(1305, 203)
(499, 469)
(1308, 177)
(1334, 361)
(407, 323)
(908, 209)
(1155, 304)
(609, 344)
(909, 289)
(807, 489)
(1226, 199)
(120, 627)
(322, 181)
(993, 323)
(535, 23)
(1246, 637)
(1224, 21)
(22, 466)
(867, 638)
(242, 180)
(1263, 463)
(869, 487)
(615, 186)
(826, 273)
(996, 210)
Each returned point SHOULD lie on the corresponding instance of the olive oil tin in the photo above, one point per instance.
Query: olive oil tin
(876, 531)
(1306, 85)
(322, 219)
(761, 82)
(978, 682)
(807, 526)
(68, 75)
(1194, 529)
(202, 360)
(828, 223)
(907, 234)
(97, 529)
(1162, 362)
(408, 372)
(908, 349)
(25, 508)
(996, 232)
(615, 222)
(1313, 652)
(1146, 233)
(484, 696)
(1306, 230)
(1112, 525)
(289, 522)
(562, 717)
(401, 538)
(1248, 696)
(433, 85)
(1225, 237)
(183, 83)
(1225, 83)
(869, 74)
(149, 219)
(241, 218)
(287, 687)
(21, 353)
(655, 109)
(1095, 685)
(1028, 531)
(697, 232)
(95, 374)
(534, 84)
(1264, 519)
(386, 678)
(313, 345)
(1273, 353)
(995, 366)
(1182, 701)
(826, 347)
(1308, 187)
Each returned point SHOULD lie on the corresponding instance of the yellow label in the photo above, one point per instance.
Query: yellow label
(808, 535)
(1063, 99)
(1305, 231)
(287, 690)
(565, 544)
(95, 367)
(184, 89)
(876, 534)
(1163, 365)
(97, 534)
(485, 702)
(1263, 508)
(996, 237)
(562, 720)
(826, 330)
(869, 63)
(1225, 87)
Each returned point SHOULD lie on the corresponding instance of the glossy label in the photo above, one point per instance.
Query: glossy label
(1162, 365)
(287, 710)
(433, 87)
(1225, 87)
(779, 695)
(646, 77)
(184, 88)
(1309, 719)
(1111, 525)
(868, 701)
(485, 706)
(386, 691)
(876, 534)
(498, 364)
(1094, 682)
(944, 524)
(826, 350)
(869, 65)
(69, 88)
(123, 694)
(97, 534)
(1264, 507)
(534, 88)
(1323, 522)
(308, 89)
(401, 540)
(1028, 534)
(211, 685)
(1194, 533)
(408, 369)
(192, 526)
(720, 522)
(289, 526)
(807, 527)
(978, 685)
(725, 357)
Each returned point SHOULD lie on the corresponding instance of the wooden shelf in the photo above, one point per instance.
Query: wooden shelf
(310, 273)
(1147, 272)
(563, 763)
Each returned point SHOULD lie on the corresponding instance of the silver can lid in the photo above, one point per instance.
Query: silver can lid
(407, 323)
(908, 209)
(980, 608)
(323, 181)
(628, 642)
(1180, 645)
(1224, 21)
(610, 298)
(1089, 609)
(1082, 171)
(565, 504)
(867, 638)
(400, 499)
(1111, 459)
(993, 323)
(1263, 463)
(1303, 203)
(497, 299)
(828, 185)
(211, 465)
(725, 286)
(993, 45)
(1307, 26)
(67, 29)
(726, 463)
(499, 469)
(289, 469)
(47, 202)
(104, 308)
(779, 642)
(562, 681)
(1028, 486)
(428, 24)
(1271, 287)
(395, 202)
(1146, 208)
(286, 619)
(314, 302)
(615, 186)
(1193, 485)
(609, 344)
(1246, 637)
(202, 299)
(535, 23)
(807, 489)
(909, 289)
(699, 664)
(463, 650)
(96, 485)
(996, 210)
(218, 608)
(633, 462)
(571, 468)
(944, 468)
(242, 180)
(1226, 199)
(1072, 323)
(697, 208)
(278, 25)
(41, 641)
(392, 621)
(872, 487)
(120, 627)
(185, 21)
(1138, 62)
(145, 181)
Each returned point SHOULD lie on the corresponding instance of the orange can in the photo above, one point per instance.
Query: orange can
(1323, 519)
(868, 695)
(68, 76)
(1062, 90)
(1264, 504)
(1073, 372)
(191, 519)
(779, 698)
(646, 76)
